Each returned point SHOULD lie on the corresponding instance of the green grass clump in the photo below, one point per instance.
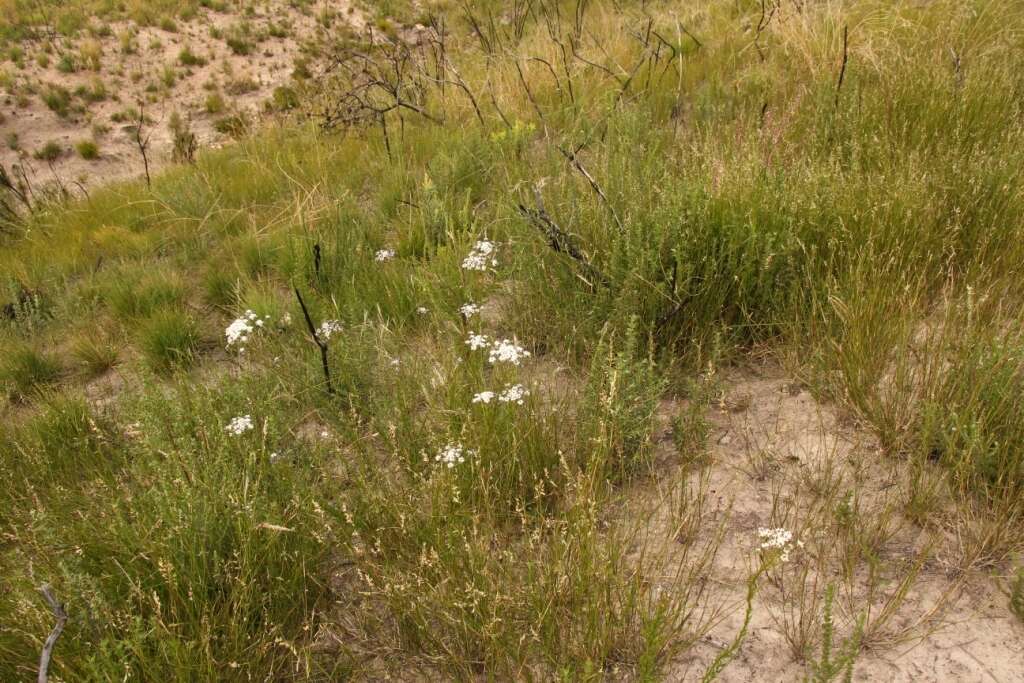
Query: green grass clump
(214, 103)
(87, 149)
(95, 355)
(188, 58)
(169, 340)
(24, 370)
(137, 295)
(50, 151)
(57, 98)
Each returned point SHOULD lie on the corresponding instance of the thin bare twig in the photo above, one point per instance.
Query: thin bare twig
(842, 67)
(51, 640)
(316, 339)
(559, 240)
(575, 161)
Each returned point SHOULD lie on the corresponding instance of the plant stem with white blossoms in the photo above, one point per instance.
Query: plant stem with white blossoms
(507, 351)
(327, 328)
(240, 329)
(475, 342)
(239, 425)
(481, 256)
(778, 543)
(453, 454)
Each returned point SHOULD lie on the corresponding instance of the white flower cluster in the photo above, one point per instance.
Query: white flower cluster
(507, 351)
(384, 255)
(453, 454)
(513, 393)
(237, 333)
(422, 310)
(327, 328)
(499, 350)
(468, 310)
(480, 257)
(239, 425)
(780, 540)
(475, 342)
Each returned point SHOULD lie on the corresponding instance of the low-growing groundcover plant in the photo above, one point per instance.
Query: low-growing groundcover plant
(391, 381)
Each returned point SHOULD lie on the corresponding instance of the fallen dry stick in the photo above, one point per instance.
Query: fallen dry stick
(51, 640)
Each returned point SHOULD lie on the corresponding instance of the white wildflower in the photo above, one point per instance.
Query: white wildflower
(513, 393)
(481, 256)
(453, 454)
(422, 310)
(239, 425)
(507, 351)
(483, 397)
(286, 320)
(780, 540)
(327, 328)
(384, 255)
(468, 310)
(477, 342)
(238, 332)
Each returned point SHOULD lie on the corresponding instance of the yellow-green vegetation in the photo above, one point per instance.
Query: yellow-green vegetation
(641, 194)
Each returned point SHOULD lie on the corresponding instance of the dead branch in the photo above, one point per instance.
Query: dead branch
(762, 24)
(559, 240)
(51, 640)
(842, 67)
(574, 159)
(321, 344)
(362, 85)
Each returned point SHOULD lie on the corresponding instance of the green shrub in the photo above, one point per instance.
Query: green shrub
(620, 401)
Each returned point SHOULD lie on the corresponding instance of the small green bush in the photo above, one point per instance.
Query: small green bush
(87, 149)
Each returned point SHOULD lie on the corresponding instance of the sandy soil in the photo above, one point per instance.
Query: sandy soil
(245, 82)
(771, 442)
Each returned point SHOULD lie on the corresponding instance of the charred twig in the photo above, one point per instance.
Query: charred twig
(497, 108)
(51, 640)
(529, 94)
(842, 67)
(316, 260)
(559, 240)
(369, 84)
(762, 24)
(551, 69)
(316, 339)
(573, 159)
